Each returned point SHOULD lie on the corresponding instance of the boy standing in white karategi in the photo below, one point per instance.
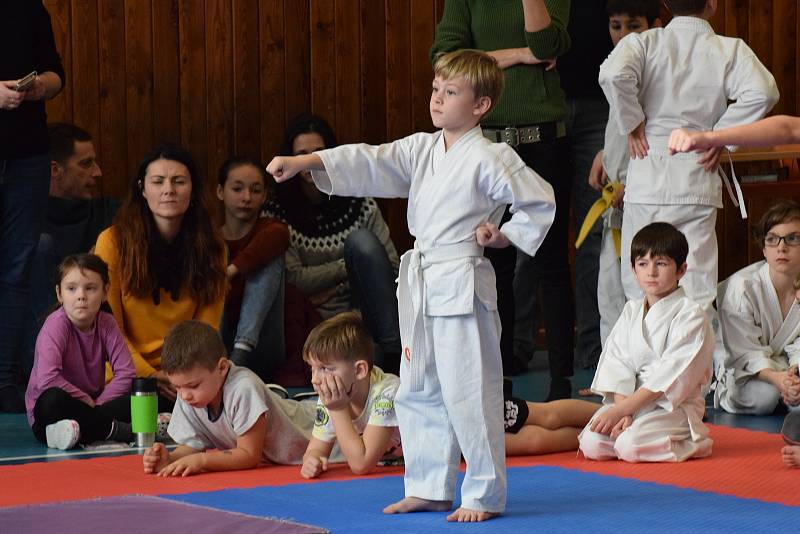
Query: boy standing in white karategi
(611, 164)
(458, 184)
(681, 76)
(655, 365)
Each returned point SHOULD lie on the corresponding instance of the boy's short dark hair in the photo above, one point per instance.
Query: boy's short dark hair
(190, 344)
(780, 212)
(649, 9)
(685, 7)
(62, 140)
(343, 337)
(660, 239)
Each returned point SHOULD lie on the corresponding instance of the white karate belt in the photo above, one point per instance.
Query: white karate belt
(412, 330)
(738, 198)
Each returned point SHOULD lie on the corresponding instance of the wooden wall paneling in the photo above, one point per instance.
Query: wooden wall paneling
(373, 71)
(85, 88)
(423, 27)
(246, 99)
(398, 101)
(219, 72)
(114, 125)
(736, 21)
(59, 109)
(166, 72)
(759, 36)
(347, 35)
(717, 21)
(438, 6)
(297, 68)
(139, 79)
(784, 60)
(193, 84)
(323, 60)
(272, 81)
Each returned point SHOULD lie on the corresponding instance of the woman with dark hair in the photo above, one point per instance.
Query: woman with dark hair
(340, 254)
(166, 260)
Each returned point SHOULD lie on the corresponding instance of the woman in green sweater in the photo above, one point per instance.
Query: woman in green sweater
(525, 36)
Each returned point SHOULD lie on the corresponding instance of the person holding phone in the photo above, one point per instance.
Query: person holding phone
(26, 32)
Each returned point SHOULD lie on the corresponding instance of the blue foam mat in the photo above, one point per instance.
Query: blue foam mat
(541, 499)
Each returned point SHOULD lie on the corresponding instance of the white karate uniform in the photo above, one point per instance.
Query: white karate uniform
(681, 76)
(610, 294)
(667, 351)
(756, 336)
(450, 398)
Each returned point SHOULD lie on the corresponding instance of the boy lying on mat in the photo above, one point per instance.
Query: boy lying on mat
(225, 407)
(655, 365)
(356, 406)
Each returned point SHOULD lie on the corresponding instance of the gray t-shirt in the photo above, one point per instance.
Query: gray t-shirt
(245, 398)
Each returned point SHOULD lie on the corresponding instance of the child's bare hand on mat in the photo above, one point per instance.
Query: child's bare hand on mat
(313, 466)
(184, 467)
(155, 458)
(488, 235)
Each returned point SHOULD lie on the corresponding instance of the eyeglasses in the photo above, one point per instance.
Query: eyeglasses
(791, 240)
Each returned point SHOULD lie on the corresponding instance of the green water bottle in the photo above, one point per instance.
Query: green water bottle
(144, 411)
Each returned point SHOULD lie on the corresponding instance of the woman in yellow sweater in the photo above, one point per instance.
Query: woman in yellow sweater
(166, 260)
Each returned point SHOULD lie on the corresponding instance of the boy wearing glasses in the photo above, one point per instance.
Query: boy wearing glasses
(760, 319)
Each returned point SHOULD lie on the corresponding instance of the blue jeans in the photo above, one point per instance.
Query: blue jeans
(586, 126)
(24, 185)
(373, 290)
(261, 320)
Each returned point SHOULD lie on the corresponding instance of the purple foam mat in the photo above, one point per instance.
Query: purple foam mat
(139, 514)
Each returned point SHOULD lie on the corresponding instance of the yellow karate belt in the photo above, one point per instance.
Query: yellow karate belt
(597, 209)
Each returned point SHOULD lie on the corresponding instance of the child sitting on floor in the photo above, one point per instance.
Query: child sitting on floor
(225, 407)
(655, 364)
(356, 405)
(252, 322)
(760, 321)
(67, 399)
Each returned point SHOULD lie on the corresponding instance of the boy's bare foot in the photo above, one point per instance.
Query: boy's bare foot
(467, 515)
(791, 455)
(415, 504)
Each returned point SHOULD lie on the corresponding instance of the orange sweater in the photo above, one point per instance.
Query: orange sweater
(144, 324)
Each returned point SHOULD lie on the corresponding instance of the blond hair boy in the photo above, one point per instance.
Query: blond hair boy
(458, 184)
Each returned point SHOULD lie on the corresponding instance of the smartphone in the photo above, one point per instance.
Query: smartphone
(24, 83)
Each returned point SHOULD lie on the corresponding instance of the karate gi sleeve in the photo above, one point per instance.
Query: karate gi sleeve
(620, 77)
(533, 205)
(752, 88)
(742, 336)
(793, 352)
(615, 373)
(362, 170)
(685, 365)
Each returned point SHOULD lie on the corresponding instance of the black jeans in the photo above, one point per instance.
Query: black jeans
(547, 273)
(55, 404)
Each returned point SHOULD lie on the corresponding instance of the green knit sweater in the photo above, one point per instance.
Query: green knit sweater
(531, 95)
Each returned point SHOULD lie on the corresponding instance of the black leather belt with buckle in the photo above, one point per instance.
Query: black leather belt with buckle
(523, 135)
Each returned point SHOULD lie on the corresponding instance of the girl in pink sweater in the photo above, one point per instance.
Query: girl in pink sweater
(67, 399)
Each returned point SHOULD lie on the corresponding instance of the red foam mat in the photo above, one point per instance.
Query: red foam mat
(744, 463)
(123, 475)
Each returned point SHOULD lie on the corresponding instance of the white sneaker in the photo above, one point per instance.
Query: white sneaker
(63, 434)
(162, 434)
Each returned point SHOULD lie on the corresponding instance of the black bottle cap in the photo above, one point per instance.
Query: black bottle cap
(144, 385)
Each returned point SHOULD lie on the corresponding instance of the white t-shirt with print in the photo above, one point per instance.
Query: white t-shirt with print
(378, 411)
